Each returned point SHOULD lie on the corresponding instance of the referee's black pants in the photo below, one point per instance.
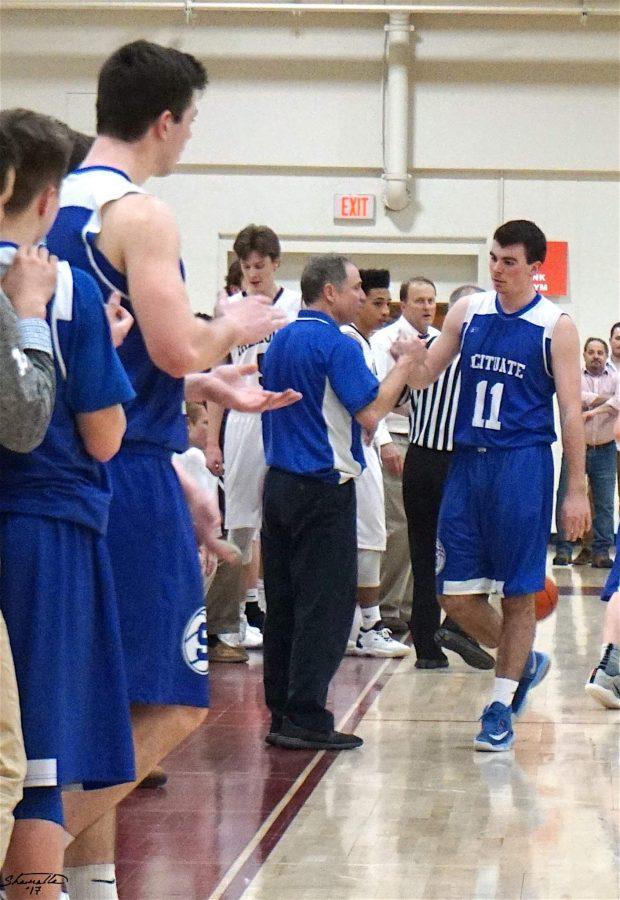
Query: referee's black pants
(424, 475)
(309, 548)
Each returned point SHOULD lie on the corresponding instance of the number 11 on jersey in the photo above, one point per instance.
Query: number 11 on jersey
(496, 392)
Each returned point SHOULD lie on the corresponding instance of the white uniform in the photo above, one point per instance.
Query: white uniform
(371, 534)
(244, 456)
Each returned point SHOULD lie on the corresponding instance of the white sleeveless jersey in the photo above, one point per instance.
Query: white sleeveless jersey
(371, 532)
(244, 455)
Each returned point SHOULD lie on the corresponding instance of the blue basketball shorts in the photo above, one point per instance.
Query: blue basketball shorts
(158, 582)
(495, 521)
(57, 596)
(612, 585)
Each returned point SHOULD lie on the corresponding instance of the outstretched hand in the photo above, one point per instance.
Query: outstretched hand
(254, 317)
(227, 385)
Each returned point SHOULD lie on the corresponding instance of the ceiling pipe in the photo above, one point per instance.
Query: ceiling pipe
(187, 6)
(396, 178)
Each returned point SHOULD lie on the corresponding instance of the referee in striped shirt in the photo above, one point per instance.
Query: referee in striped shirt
(431, 437)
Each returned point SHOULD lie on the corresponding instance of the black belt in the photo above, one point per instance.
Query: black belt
(599, 446)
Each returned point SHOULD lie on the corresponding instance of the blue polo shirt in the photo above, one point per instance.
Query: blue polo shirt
(317, 436)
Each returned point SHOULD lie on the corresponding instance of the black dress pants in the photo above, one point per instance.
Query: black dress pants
(424, 475)
(309, 548)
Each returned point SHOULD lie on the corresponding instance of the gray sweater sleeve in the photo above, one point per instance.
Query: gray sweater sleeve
(27, 381)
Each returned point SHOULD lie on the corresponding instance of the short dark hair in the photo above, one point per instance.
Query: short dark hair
(592, 340)
(139, 82)
(331, 268)
(522, 231)
(374, 278)
(463, 291)
(9, 158)
(193, 409)
(613, 328)
(257, 239)
(234, 278)
(43, 149)
(81, 145)
(415, 279)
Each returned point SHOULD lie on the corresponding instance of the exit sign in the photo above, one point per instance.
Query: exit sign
(354, 206)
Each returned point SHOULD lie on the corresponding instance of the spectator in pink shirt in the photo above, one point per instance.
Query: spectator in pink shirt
(599, 396)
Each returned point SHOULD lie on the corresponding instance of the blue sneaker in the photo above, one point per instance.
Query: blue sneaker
(536, 668)
(496, 733)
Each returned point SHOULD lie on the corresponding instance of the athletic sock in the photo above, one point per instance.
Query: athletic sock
(503, 690)
(95, 882)
(251, 595)
(370, 617)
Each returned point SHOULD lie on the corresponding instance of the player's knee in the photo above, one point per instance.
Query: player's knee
(452, 606)
(41, 803)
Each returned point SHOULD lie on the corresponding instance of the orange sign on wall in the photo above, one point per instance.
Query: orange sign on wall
(552, 279)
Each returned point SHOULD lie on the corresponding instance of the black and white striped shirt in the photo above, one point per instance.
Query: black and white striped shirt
(433, 410)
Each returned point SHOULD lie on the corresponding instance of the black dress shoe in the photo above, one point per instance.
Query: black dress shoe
(562, 558)
(435, 662)
(293, 737)
(396, 625)
(601, 561)
(467, 648)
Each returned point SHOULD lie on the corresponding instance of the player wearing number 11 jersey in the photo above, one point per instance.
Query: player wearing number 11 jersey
(517, 350)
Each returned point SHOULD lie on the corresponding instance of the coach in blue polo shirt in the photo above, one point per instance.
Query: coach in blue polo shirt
(314, 453)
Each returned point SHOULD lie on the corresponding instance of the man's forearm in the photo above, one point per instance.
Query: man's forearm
(390, 390)
(27, 381)
(574, 447)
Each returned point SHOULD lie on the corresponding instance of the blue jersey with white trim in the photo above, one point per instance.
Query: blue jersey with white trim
(59, 479)
(317, 436)
(507, 384)
(155, 416)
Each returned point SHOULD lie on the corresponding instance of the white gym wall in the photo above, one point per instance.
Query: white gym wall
(509, 117)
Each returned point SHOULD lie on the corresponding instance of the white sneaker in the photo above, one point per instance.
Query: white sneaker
(351, 649)
(604, 688)
(379, 642)
(249, 636)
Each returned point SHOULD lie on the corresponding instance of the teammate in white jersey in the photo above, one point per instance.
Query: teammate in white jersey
(517, 350)
(371, 638)
(243, 461)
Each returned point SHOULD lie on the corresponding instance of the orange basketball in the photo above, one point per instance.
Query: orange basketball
(547, 599)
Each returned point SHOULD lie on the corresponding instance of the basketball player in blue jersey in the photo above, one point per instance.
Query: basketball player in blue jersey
(56, 586)
(517, 350)
(128, 241)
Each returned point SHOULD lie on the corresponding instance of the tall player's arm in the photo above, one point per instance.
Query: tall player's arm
(565, 360)
(141, 234)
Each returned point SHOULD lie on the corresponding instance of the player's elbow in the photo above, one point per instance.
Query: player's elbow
(368, 418)
(102, 432)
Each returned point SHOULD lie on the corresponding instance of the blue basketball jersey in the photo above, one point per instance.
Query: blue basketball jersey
(59, 479)
(507, 384)
(155, 416)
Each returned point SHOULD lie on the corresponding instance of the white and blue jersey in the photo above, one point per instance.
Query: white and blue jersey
(507, 385)
(318, 436)
(155, 417)
(150, 535)
(56, 587)
(59, 479)
(495, 516)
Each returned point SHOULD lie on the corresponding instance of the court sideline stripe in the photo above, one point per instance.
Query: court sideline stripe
(298, 784)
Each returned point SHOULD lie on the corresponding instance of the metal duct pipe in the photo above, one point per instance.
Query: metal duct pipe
(396, 195)
(187, 6)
